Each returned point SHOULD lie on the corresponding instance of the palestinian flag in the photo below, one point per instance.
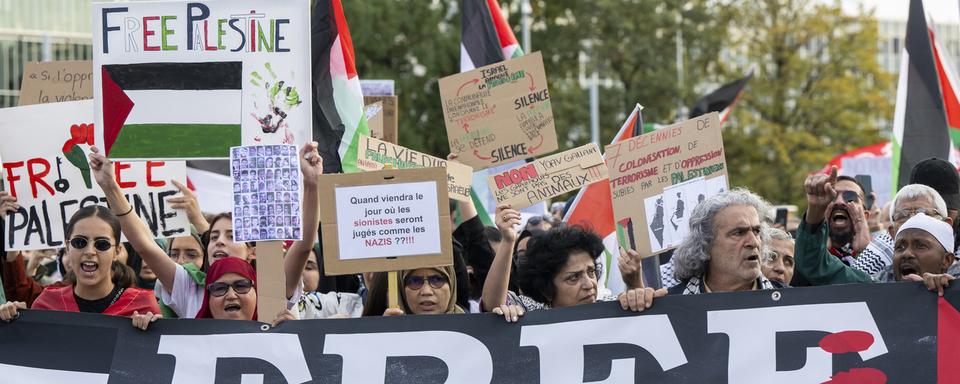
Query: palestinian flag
(486, 38)
(147, 106)
(593, 208)
(338, 117)
(948, 87)
(722, 99)
(920, 120)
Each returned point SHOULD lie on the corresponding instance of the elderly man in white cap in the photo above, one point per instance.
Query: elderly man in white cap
(923, 251)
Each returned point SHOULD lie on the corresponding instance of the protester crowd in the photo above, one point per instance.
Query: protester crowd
(732, 245)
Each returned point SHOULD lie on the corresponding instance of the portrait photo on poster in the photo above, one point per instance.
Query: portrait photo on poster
(266, 192)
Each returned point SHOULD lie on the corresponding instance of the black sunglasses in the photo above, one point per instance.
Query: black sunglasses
(239, 286)
(101, 245)
(850, 196)
(416, 282)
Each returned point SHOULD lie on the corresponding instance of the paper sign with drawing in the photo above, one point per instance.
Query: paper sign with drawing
(205, 75)
(46, 168)
(670, 171)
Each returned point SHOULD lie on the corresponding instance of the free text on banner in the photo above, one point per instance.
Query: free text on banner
(860, 333)
(45, 167)
(205, 76)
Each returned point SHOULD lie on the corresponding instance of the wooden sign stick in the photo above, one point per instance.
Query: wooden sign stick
(271, 282)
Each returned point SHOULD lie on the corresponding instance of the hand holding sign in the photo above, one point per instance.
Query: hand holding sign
(8, 203)
(102, 167)
(311, 164)
(507, 221)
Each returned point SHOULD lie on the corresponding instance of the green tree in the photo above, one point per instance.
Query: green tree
(818, 91)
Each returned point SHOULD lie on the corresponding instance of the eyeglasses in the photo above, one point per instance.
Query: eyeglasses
(239, 286)
(416, 282)
(901, 216)
(850, 196)
(101, 245)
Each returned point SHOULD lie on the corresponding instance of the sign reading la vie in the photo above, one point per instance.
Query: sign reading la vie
(189, 80)
(863, 333)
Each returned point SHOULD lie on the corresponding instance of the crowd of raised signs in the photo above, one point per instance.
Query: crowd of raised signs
(732, 245)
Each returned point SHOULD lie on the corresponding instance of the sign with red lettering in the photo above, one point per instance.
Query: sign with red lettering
(549, 176)
(44, 151)
(499, 113)
(658, 178)
(206, 75)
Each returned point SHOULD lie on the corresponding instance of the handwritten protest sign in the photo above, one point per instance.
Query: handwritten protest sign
(670, 171)
(45, 149)
(499, 113)
(190, 80)
(373, 154)
(376, 87)
(266, 192)
(549, 176)
(385, 220)
(56, 81)
(388, 124)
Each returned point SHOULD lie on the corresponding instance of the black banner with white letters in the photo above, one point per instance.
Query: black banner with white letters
(874, 333)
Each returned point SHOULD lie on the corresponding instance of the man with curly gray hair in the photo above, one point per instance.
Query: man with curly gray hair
(724, 248)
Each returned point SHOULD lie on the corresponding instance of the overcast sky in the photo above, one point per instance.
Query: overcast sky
(941, 11)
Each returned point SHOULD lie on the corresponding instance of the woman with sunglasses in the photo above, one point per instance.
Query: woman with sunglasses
(180, 290)
(92, 247)
(433, 291)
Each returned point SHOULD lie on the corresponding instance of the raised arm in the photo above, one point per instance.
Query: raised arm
(188, 201)
(311, 165)
(136, 231)
(498, 278)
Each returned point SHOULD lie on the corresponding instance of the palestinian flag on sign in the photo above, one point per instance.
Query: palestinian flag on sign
(138, 100)
(920, 118)
(722, 99)
(593, 208)
(338, 117)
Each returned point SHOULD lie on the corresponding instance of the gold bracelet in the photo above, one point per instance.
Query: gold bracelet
(127, 212)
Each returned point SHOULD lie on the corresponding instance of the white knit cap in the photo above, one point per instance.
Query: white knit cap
(937, 228)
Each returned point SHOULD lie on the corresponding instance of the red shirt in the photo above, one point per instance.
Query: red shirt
(132, 299)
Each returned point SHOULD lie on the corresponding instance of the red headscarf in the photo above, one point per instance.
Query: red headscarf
(217, 270)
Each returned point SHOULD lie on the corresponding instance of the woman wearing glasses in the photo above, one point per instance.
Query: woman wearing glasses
(181, 289)
(92, 246)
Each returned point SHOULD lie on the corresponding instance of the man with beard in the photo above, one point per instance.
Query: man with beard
(812, 259)
(938, 174)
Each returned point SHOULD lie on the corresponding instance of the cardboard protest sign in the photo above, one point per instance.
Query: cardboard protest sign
(388, 126)
(190, 80)
(385, 221)
(56, 81)
(499, 113)
(658, 178)
(549, 176)
(373, 154)
(266, 192)
(374, 114)
(45, 149)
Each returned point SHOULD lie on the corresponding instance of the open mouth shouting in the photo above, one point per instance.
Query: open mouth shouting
(89, 268)
(839, 218)
(233, 308)
(219, 254)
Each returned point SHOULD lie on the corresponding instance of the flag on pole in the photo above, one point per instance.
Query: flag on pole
(593, 208)
(722, 99)
(919, 122)
(486, 38)
(948, 87)
(338, 117)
